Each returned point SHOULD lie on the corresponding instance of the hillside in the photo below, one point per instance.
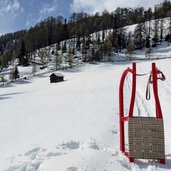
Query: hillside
(74, 125)
(55, 29)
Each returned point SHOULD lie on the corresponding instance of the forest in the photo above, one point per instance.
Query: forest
(19, 45)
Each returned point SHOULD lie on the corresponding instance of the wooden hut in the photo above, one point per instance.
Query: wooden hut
(54, 78)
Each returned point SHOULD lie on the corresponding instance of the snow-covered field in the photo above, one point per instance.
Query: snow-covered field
(74, 125)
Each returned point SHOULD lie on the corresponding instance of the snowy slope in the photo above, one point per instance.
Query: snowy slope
(47, 114)
(74, 125)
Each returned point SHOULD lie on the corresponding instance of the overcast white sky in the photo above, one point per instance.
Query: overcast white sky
(22, 14)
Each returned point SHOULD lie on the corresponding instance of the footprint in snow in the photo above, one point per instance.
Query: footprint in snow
(70, 145)
(34, 150)
(72, 169)
(92, 144)
(51, 154)
(114, 131)
(34, 157)
(32, 153)
(25, 166)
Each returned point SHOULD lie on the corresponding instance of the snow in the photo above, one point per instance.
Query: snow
(130, 28)
(74, 125)
(50, 113)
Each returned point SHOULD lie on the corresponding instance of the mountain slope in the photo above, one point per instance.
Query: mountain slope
(74, 125)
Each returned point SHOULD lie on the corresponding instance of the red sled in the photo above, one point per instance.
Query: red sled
(145, 134)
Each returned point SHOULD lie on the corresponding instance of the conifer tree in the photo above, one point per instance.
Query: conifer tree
(58, 59)
(2, 79)
(14, 73)
(33, 68)
(139, 35)
(22, 53)
(70, 57)
(156, 28)
(130, 48)
(107, 46)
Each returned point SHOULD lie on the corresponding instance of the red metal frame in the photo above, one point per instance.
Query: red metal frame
(124, 118)
(155, 72)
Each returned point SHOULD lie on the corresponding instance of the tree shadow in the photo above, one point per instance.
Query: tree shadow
(6, 85)
(72, 70)
(8, 95)
(23, 81)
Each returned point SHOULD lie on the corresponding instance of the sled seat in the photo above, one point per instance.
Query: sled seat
(146, 138)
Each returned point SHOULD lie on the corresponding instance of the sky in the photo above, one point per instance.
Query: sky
(22, 14)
